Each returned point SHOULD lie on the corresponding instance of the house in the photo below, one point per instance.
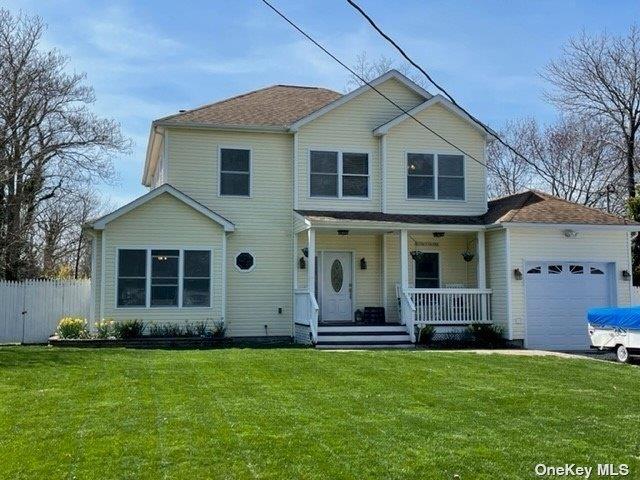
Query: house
(288, 210)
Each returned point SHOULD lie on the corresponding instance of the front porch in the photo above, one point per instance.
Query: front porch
(428, 275)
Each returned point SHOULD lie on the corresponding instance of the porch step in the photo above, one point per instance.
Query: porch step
(364, 346)
(351, 336)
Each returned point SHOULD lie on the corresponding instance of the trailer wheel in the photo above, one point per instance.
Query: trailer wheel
(622, 354)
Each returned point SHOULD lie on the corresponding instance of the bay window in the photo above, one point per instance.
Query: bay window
(156, 278)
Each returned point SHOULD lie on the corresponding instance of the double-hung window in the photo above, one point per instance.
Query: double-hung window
(235, 172)
(164, 278)
(435, 176)
(339, 174)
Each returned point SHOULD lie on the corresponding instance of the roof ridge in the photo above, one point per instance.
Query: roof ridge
(218, 102)
(601, 212)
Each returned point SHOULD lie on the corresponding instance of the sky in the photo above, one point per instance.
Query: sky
(148, 59)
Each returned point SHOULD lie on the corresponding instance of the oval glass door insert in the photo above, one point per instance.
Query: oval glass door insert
(337, 275)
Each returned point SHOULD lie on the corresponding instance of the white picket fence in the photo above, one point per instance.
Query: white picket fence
(30, 310)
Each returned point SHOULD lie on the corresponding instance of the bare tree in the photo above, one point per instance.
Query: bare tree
(599, 77)
(507, 172)
(369, 69)
(49, 138)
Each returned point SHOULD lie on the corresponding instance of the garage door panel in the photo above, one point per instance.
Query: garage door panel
(556, 303)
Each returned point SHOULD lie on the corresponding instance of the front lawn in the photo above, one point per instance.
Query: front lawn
(299, 413)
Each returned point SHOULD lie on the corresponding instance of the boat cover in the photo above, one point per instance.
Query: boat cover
(621, 317)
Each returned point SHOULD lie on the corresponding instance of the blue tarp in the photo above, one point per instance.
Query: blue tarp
(621, 317)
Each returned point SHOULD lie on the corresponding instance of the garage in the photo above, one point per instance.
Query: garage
(557, 296)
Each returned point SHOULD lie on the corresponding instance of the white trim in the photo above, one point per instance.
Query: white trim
(383, 260)
(94, 260)
(235, 259)
(630, 267)
(404, 259)
(250, 173)
(331, 223)
(358, 91)
(435, 100)
(575, 226)
(481, 267)
(303, 219)
(509, 280)
(102, 222)
(436, 171)
(340, 173)
(148, 261)
(103, 268)
(383, 172)
(221, 126)
(296, 146)
(223, 262)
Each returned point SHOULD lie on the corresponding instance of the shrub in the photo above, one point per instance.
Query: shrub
(219, 329)
(105, 328)
(201, 329)
(425, 335)
(70, 327)
(128, 328)
(155, 330)
(486, 334)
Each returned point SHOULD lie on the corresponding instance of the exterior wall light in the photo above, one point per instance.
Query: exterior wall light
(305, 251)
(302, 263)
(626, 275)
(570, 233)
(517, 274)
(438, 234)
(363, 264)
(343, 232)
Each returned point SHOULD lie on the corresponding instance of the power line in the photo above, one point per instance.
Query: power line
(366, 82)
(451, 99)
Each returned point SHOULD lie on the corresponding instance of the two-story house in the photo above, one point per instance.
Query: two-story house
(289, 211)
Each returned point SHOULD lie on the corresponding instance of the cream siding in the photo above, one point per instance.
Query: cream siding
(349, 127)
(530, 244)
(263, 221)
(409, 136)
(163, 222)
(497, 271)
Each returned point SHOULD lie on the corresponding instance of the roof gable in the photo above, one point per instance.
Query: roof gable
(359, 91)
(435, 100)
(101, 223)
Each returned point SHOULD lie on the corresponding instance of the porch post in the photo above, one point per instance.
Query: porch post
(404, 259)
(311, 264)
(481, 273)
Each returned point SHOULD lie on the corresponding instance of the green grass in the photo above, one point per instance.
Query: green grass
(298, 413)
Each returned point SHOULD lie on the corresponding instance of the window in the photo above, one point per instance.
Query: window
(427, 270)
(554, 269)
(164, 278)
(355, 175)
(132, 278)
(437, 177)
(450, 177)
(420, 175)
(245, 262)
(535, 270)
(338, 174)
(235, 172)
(596, 271)
(154, 278)
(576, 269)
(196, 279)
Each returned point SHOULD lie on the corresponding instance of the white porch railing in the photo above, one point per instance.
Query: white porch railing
(451, 306)
(306, 311)
(408, 314)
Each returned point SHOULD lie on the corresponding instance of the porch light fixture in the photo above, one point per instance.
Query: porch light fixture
(570, 233)
(363, 264)
(302, 263)
(438, 234)
(305, 251)
(517, 274)
(343, 232)
(626, 275)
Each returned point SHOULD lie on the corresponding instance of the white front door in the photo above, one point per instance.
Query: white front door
(336, 286)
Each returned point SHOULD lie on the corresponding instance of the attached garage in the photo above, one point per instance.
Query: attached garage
(557, 297)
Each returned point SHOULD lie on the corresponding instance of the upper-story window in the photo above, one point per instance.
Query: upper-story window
(435, 176)
(235, 172)
(339, 174)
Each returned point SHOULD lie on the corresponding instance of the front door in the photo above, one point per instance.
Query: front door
(336, 286)
(427, 267)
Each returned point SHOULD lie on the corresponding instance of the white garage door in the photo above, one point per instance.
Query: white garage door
(557, 297)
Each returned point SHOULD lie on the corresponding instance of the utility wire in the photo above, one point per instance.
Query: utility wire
(452, 100)
(366, 82)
